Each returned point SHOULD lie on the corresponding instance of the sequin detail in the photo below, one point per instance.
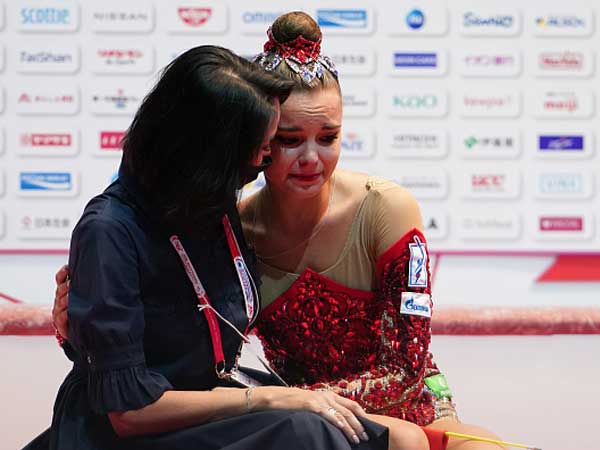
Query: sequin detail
(321, 334)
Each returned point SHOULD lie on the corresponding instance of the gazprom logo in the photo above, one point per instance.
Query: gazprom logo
(342, 18)
(46, 181)
(415, 19)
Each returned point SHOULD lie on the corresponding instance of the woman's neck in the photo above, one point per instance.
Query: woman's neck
(292, 215)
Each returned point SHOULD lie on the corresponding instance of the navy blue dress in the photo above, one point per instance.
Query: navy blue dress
(135, 332)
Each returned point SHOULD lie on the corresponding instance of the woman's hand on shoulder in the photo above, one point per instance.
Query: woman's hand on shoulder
(336, 409)
(61, 300)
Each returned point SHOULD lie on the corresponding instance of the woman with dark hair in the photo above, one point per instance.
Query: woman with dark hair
(161, 295)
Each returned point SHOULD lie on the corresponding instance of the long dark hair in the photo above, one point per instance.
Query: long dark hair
(196, 131)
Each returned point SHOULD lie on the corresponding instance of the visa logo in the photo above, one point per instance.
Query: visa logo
(45, 181)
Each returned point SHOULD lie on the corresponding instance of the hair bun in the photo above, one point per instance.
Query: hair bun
(290, 26)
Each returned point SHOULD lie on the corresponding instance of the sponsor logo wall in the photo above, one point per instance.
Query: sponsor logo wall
(487, 114)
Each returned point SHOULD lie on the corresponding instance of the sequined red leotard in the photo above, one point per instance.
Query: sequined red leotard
(369, 345)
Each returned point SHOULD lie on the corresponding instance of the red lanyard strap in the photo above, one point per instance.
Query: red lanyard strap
(204, 301)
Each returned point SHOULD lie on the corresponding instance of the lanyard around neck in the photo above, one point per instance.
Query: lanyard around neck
(202, 296)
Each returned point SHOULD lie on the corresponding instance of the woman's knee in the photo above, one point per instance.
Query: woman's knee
(408, 437)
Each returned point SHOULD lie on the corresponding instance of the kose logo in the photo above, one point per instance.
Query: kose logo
(47, 16)
(342, 18)
(111, 140)
(415, 19)
(561, 143)
(553, 223)
(46, 181)
(193, 16)
(46, 139)
(471, 20)
(415, 59)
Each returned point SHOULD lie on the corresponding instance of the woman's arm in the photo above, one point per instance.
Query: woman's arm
(181, 409)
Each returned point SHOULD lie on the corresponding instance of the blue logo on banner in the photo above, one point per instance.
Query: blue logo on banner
(415, 59)
(560, 143)
(471, 19)
(415, 19)
(266, 17)
(46, 181)
(342, 18)
(45, 16)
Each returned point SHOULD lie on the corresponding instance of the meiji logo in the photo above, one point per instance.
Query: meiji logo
(46, 139)
(415, 60)
(560, 21)
(471, 19)
(111, 140)
(561, 60)
(415, 19)
(561, 183)
(261, 17)
(194, 16)
(561, 143)
(61, 16)
(561, 101)
(555, 223)
(45, 181)
(342, 18)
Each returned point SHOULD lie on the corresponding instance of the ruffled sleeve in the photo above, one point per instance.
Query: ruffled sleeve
(106, 317)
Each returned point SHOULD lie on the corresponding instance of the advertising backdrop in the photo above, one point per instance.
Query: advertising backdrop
(486, 111)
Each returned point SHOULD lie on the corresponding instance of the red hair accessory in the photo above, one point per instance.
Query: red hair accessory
(302, 49)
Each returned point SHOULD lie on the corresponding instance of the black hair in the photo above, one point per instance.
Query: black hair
(197, 130)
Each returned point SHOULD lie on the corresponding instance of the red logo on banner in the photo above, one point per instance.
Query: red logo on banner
(561, 223)
(46, 139)
(487, 181)
(194, 17)
(111, 140)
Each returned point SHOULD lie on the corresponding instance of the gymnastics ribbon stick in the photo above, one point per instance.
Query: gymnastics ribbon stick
(492, 441)
(438, 439)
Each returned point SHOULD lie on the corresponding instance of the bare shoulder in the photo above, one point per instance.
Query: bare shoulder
(246, 208)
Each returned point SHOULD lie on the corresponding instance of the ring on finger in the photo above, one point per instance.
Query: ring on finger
(331, 410)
